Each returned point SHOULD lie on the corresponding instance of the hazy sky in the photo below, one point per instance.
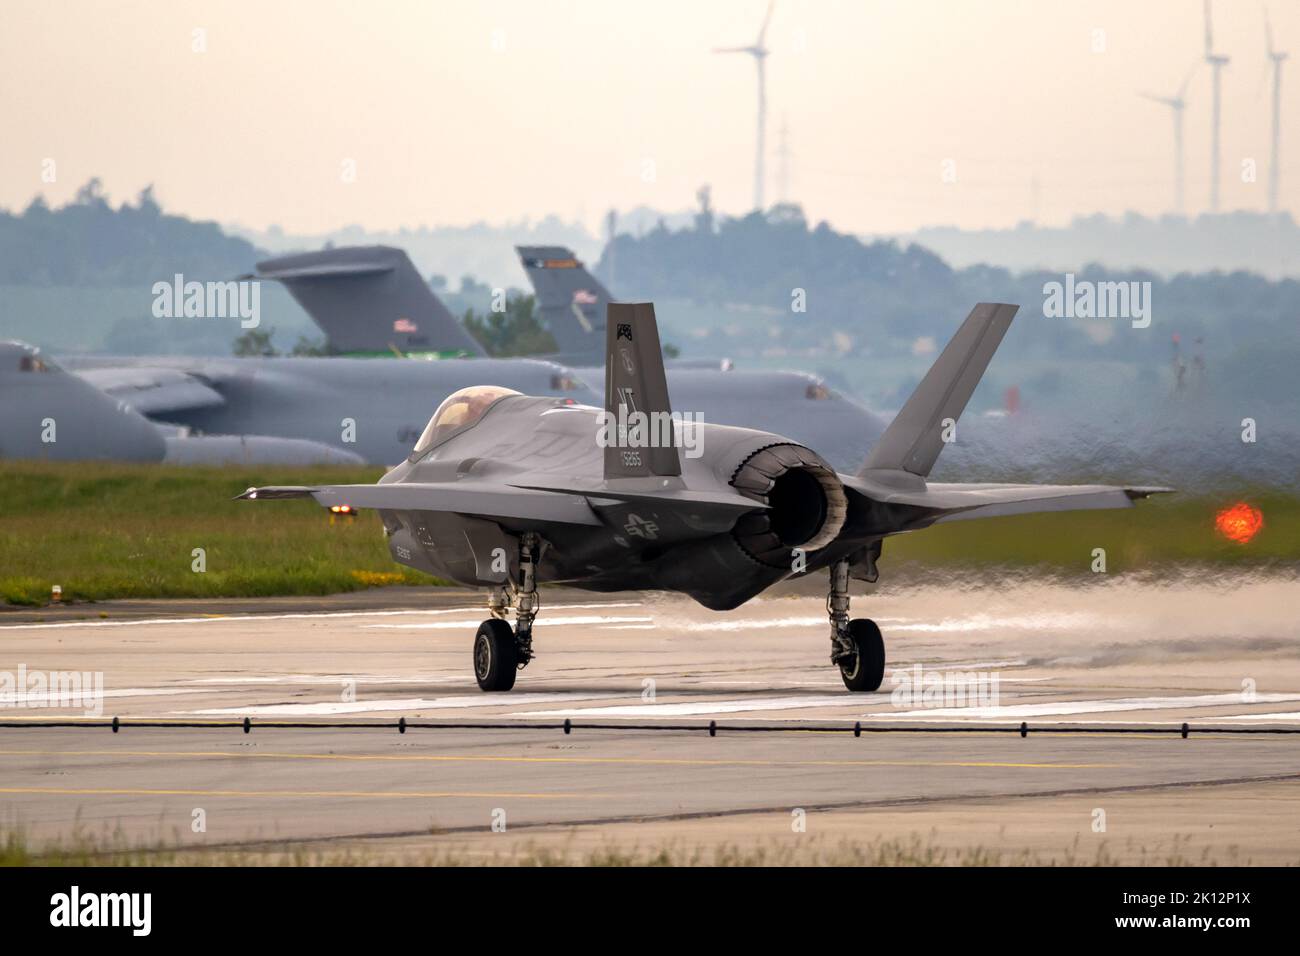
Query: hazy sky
(455, 112)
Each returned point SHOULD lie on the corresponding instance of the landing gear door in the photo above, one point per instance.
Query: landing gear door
(496, 554)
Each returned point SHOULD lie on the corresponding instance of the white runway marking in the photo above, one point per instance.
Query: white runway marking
(978, 622)
(541, 621)
(1066, 707)
(1030, 622)
(703, 708)
(245, 618)
(328, 708)
(311, 679)
(751, 623)
(22, 700)
(1290, 716)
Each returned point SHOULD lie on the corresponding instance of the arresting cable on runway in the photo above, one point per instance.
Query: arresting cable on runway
(712, 728)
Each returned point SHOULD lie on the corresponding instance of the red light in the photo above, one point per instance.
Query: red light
(1239, 523)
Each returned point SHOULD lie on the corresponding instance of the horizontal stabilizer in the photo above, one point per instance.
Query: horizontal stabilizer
(1030, 499)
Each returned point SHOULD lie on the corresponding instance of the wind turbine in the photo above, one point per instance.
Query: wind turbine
(1176, 104)
(783, 164)
(759, 52)
(1217, 61)
(1276, 56)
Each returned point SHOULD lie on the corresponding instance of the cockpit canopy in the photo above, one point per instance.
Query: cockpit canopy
(458, 411)
(24, 358)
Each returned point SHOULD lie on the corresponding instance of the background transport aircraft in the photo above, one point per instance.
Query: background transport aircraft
(366, 300)
(48, 413)
(374, 409)
(356, 304)
(505, 490)
(370, 408)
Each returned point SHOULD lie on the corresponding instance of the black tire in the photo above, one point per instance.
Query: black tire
(866, 670)
(496, 656)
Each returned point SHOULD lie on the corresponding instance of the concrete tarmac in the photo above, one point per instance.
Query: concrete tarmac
(1141, 656)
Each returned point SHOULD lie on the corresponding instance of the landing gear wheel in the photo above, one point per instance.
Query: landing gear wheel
(496, 655)
(865, 670)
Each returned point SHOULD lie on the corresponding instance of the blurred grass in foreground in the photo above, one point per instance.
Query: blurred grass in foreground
(107, 530)
(82, 849)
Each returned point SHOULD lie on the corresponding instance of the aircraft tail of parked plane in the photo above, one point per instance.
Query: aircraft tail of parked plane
(571, 302)
(370, 299)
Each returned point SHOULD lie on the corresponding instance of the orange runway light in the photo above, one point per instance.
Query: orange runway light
(1239, 523)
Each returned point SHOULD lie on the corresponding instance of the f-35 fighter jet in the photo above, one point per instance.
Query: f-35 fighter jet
(504, 491)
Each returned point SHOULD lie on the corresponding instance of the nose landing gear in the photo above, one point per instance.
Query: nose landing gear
(500, 652)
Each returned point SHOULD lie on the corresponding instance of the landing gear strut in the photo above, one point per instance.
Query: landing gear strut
(856, 645)
(499, 652)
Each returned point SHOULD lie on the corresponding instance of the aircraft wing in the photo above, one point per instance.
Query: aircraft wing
(917, 503)
(154, 391)
(487, 501)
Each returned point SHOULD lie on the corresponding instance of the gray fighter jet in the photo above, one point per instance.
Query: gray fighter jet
(505, 490)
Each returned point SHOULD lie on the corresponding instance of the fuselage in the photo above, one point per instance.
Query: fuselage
(646, 542)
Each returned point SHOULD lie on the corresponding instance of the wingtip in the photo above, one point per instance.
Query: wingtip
(276, 491)
(1138, 493)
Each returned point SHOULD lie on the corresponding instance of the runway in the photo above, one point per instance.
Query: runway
(1141, 656)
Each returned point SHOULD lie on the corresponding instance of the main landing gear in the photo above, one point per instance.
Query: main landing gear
(856, 645)
(499, 651)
